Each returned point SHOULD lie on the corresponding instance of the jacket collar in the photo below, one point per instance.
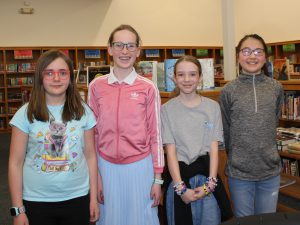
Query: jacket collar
(243, 77)
(128, 80)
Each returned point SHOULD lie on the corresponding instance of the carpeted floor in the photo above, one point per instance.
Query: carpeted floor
(5, 218)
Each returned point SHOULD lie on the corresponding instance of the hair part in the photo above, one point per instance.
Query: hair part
(124, 27)
(37, 106)
(261, 40)
(185, 58)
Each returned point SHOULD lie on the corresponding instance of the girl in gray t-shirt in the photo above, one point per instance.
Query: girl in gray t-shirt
(191, 130)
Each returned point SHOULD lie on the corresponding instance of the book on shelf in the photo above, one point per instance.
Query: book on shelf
(281, 69)
(169, 74)
(92, 54)
(202, 52)
(148, 69)
(285, 140)
(208, 75)
(178, 52)
(288, 48)
(290, 166)
(23, 54)
(293, 151)
(289, 131)
(286, 181)
(161, 76)
(270, 68)
(295, 146)
(152, 53)
(96, 71)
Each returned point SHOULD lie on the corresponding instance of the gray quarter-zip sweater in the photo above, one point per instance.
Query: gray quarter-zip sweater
(251, 107)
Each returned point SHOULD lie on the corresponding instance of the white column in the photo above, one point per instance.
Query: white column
(228, 25)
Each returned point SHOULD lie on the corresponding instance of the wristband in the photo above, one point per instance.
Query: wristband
(158, 181)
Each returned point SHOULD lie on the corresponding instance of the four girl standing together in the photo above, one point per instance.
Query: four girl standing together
(53, 161)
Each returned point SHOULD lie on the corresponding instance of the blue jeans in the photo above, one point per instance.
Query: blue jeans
(254, 197)
(204, 211)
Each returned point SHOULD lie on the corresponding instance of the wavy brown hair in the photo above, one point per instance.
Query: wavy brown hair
(37, 106)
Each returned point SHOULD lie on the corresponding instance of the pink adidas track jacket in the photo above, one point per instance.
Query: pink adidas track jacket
(128, 119)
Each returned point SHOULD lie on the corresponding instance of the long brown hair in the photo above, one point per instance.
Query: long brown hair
(185, 58)
(37, 106)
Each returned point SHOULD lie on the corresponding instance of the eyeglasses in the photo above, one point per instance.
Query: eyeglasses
(249, 51)
(119, 46)
(50, 74)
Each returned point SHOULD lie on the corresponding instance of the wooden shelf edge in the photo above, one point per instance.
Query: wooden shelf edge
(284, 208)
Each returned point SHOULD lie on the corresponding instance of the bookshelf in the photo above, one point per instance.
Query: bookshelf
(16, 73)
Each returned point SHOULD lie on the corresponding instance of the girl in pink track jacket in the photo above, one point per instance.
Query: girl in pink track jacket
(128, 141)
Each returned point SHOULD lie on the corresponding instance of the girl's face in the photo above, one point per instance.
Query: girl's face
(252, 56)
(187, 77)
(56, 79)
(123, 58)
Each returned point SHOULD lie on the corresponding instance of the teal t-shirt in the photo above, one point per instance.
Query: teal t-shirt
(55, 168)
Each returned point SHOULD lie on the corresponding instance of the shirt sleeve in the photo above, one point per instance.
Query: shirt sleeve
(167, 135)
(225, 111)
(218, 131)
(90, 118)
(154, 129)
(20, 119)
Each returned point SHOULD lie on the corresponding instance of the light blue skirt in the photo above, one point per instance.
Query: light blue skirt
(127, 190)
(205, 211)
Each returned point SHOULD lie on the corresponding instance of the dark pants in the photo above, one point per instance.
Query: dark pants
(71, 212)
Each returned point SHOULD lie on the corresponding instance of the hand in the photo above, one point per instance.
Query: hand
(189, 196)
(200, 193)
(100, 195)
(155, 194)
(94, 211)
(21, 219)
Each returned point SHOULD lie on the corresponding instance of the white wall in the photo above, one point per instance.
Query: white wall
(159, 22)
(89, 22)
(274, 20)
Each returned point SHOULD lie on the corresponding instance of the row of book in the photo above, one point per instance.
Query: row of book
(290, 166)
(1, 96)
(291, 107)
(84, 65)
(2, 123)
(20, 67)
(2, 109)
(287, 138)
(17, 81)
(12, 109)
(156, 53)
(14, 96)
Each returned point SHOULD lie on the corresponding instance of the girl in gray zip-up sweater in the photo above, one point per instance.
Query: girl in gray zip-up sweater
(251, 106)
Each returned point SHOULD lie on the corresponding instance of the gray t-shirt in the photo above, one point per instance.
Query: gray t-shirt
(192, 130)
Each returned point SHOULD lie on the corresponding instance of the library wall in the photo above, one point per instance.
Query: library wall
(164, 23)
(79, 22)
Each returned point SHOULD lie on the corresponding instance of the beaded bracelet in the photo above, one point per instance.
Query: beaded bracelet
(180, 188)
(205, 189)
